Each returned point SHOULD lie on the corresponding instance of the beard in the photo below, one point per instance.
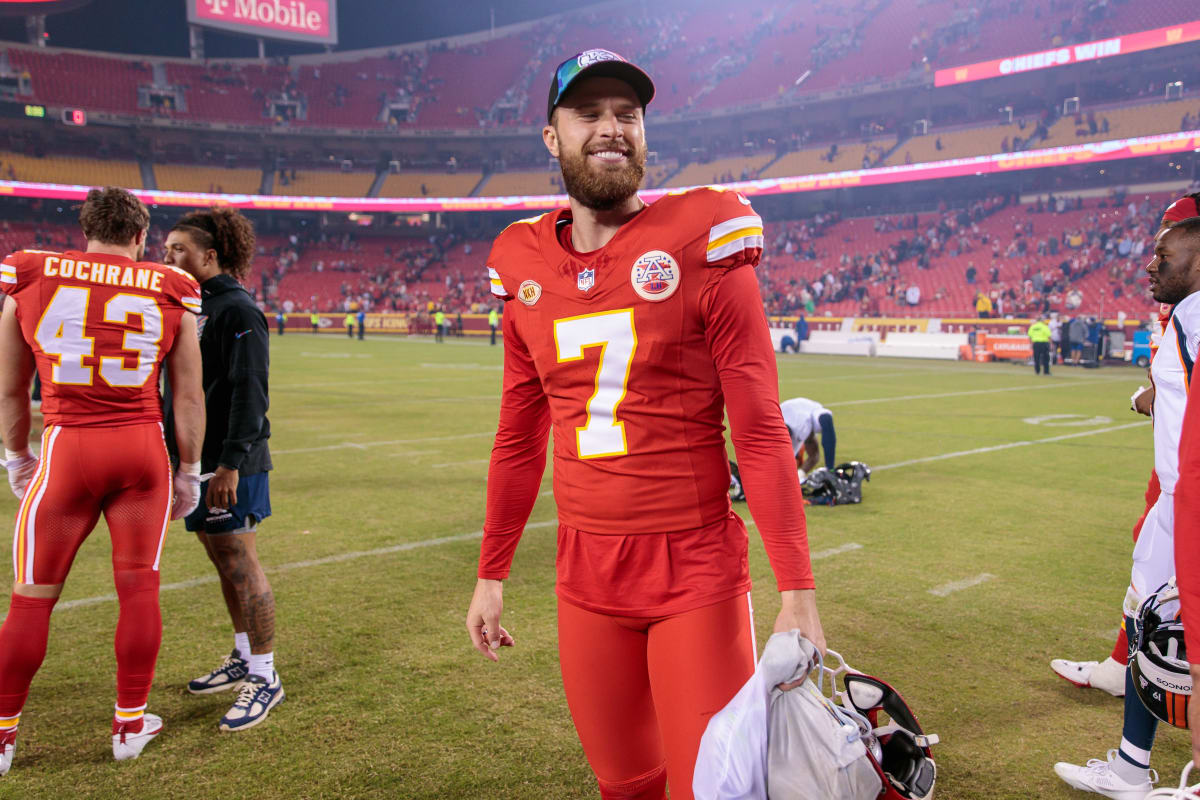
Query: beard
(605, 188)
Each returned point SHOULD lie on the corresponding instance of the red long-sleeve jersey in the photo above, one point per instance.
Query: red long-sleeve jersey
(631, 355)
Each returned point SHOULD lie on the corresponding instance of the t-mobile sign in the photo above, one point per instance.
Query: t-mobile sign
(298, 20)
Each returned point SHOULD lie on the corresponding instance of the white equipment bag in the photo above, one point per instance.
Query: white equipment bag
(768, 744)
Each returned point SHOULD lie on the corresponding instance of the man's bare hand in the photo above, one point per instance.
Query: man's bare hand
(1143, 401)
(483, 619)
(799, 611)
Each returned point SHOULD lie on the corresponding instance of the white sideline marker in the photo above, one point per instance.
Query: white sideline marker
(958, 586)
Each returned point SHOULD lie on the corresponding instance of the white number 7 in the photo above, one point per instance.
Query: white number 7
(612, 331)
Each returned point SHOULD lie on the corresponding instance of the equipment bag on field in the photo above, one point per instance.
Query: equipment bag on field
(801, 743)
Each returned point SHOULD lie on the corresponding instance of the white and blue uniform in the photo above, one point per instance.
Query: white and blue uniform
(1171, 370)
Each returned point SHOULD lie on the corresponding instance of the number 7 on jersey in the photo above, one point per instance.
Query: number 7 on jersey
(614, 334)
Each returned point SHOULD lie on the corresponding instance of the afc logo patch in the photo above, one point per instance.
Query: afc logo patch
(655, 276)
(529, 292)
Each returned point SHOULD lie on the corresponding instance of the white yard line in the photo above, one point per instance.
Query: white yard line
(384, 443)
(870, 400)
(958, 586)
(1008, 446)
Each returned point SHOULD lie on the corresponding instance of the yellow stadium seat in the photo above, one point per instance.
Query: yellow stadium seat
(180, 178)
(325, 183)
(71, 170)
(1123, 123)
(712, 171)
(503, 184)
(437, 184)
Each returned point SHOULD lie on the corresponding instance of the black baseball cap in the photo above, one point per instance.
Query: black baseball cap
(597, 63)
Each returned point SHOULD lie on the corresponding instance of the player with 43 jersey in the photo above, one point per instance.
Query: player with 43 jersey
(97, 326)
(629, 329)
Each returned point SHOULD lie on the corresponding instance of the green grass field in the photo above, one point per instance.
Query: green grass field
(380, 465)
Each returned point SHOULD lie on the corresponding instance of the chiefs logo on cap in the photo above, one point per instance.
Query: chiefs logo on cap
(589, 57)
(655, 276)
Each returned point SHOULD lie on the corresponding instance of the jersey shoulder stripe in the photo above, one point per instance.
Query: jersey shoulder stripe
(497, 285)
(1184, 357)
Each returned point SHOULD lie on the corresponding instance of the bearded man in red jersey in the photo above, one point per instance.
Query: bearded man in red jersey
(629, 330)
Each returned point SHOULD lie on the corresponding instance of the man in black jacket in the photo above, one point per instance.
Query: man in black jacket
(216, 246)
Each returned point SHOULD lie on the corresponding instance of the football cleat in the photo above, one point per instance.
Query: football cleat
(8, 746)
(130, 738)
(224, 677)
(255, 700)
(1098, 776)
(1107, 675)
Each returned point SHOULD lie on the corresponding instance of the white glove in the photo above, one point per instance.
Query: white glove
(21, 467)
(802, 475)
(187, 490)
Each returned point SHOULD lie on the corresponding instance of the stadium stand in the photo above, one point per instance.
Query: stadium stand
(1099, 124)
(432, 184)
(722, 170)
(186, 178)
(942, 145)
(535, 182)
(818, 160)
(323, 183)
(69, 170)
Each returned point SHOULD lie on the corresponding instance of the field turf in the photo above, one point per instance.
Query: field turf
(381, 453)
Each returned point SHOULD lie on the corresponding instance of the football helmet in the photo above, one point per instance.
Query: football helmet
(821, 487)
(852, 475)
(896, 744)
(736, 492)
(1158, 657)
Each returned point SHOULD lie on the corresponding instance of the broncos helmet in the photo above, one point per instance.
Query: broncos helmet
(852, 475)
(821, 487)
(1158, 657)
(896, 745)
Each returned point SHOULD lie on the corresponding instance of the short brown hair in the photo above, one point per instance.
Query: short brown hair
(113, 216)
(225, 230)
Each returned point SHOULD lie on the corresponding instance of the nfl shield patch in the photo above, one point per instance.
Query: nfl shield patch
(586, 280)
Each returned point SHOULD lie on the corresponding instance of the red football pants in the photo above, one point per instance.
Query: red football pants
(124, 474)
(642, 690)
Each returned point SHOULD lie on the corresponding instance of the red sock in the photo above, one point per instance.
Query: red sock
(139, 634)
(1120, 651)
(22, 648)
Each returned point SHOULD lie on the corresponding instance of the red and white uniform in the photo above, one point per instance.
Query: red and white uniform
(99, 326)
(1185, 477)
(631, 356)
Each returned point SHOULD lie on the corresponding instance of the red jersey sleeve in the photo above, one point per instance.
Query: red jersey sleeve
(735, 236)
(1187, 523)
(518, 456)
(18, 270)
(182, 288)
(736, 329)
